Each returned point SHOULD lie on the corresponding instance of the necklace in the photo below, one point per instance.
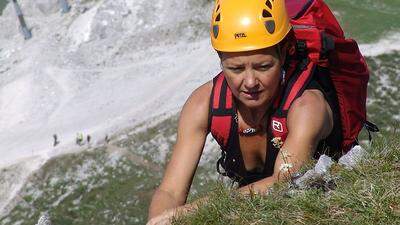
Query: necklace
(250, 131)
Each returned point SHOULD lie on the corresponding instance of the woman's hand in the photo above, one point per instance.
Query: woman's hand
(166, 217)
(163, 219)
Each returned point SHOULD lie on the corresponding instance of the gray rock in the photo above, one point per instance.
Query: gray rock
(324, 163)
(353, 157)
(302, 182)
(319, 171)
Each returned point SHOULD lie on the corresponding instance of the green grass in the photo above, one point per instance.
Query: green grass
(383, 89)
(104, 185)
(92, 187)
(3, 4)
(368, 194)
(367, 20)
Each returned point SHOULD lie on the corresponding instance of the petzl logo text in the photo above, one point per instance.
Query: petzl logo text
(240, 35)
(276, 125)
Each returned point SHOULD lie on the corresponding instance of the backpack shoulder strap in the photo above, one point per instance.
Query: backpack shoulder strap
(294, 89)
(277, 127)
(222, 111)
(298, 84)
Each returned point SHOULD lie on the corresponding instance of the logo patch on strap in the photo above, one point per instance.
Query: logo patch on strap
(277, 126)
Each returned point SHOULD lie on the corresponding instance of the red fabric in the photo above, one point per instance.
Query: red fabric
(294, 7)
(220, 128)
(316, 19)
(348, 69)
(318, 15)
(217, 91)
(279, 128)
(350, 75)
(300, 82)
(312, 36)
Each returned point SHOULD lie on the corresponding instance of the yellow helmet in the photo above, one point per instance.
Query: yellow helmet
(244, 25)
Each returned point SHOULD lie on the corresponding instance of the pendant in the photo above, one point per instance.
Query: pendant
(249, 131)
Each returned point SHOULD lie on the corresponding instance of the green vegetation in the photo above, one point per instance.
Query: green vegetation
(111, 184)
(383, 89)
(368, 194)
(3, 4)
(93, 187)
(367, 20)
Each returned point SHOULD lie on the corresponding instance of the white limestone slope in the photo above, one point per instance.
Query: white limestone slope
(387, 44)
(104, 66)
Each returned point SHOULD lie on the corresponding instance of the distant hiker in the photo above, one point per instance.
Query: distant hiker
(88, 138)
(55, 140)
(106, 139)
(291, 87)
(79, 139)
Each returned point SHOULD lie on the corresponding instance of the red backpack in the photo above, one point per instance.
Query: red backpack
(320, 43)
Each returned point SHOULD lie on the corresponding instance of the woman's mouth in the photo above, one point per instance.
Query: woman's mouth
(253, 95)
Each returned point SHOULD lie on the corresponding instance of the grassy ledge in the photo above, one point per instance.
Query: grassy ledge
(368, 194)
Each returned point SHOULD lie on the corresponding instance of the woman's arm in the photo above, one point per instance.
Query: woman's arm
(309, 121)
(192, 132)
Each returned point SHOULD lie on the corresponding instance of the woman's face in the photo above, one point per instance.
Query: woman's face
(253, 76)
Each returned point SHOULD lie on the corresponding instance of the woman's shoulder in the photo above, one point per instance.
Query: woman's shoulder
(311, 111)
(200, 97)
(197, 105)
(201, 93)
(311, 99)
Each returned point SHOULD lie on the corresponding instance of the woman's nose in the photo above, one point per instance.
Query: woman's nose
(250, 80)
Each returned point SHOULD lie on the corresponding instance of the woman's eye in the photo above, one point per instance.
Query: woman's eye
(236, 69)
(264, 67)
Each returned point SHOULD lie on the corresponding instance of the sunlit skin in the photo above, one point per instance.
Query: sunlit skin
(254, 79)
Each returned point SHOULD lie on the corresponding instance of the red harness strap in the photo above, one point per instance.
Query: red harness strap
(294, 89)
(221, 111)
